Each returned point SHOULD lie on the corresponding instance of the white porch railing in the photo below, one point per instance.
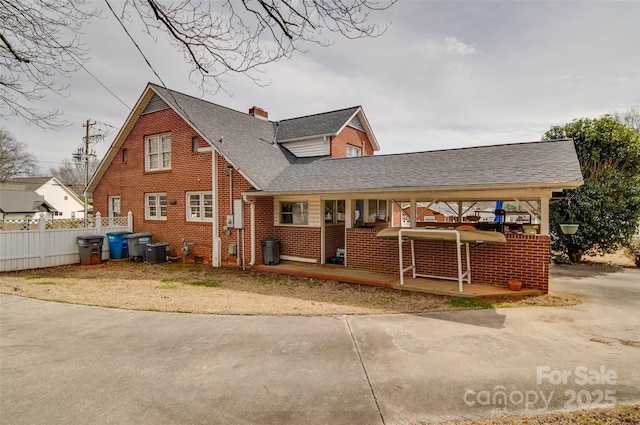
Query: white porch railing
(39, 243)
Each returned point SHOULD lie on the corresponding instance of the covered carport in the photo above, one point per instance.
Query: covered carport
(526, 174)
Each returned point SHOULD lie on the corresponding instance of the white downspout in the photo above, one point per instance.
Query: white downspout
(252, 207)
(216, 243)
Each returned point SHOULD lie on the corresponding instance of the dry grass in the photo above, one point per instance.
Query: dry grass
(603, 416)
(621, 258)
(202, 289)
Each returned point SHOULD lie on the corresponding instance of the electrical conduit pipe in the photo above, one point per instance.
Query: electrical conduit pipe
(252, 207)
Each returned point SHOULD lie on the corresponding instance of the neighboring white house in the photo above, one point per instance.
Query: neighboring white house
(57, 194)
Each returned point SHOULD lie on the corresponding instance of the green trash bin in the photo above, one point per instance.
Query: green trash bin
(90, 249)
(118, 245)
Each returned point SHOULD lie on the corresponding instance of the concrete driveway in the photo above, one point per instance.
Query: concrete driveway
(76, 365)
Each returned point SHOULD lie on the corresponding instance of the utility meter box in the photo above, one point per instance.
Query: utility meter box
(238, 214)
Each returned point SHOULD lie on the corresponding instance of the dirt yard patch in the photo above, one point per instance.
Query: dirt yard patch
(202, 289)
(603, 416)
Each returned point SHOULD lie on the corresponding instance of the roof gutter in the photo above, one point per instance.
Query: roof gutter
(408, 190)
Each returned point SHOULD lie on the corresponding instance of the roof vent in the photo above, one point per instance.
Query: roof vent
(258, 113)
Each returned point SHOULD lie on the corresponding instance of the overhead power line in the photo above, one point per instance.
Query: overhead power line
(72, 56)
(134, 43)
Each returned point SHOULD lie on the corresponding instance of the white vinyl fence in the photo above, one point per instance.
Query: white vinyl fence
(39, 243)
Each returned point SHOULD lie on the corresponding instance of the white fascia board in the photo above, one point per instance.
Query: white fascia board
(147, 94)
(314, 136)
(367, 128)
(67, 190)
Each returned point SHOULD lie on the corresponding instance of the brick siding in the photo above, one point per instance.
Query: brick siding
(333, 239)
(299, 241)
(523, 257)
(353, 137)
(190, 172)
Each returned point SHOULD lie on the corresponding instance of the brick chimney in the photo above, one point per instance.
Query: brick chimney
(258, 113)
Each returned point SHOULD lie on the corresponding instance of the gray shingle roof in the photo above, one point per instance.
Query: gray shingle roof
(327, 123)
(247, 141)
(537, 163)
(18, 201)
(31, 183)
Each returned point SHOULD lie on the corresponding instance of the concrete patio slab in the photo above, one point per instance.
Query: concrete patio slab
(363, 277)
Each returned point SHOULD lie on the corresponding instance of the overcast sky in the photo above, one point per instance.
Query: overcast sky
(444, 75)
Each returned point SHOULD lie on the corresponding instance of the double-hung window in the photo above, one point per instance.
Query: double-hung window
(353, 151)
(157, 152)
(377, 210)
(334, 211)
(114, 206)
(199, 206)
(155, 206)
(294, 213)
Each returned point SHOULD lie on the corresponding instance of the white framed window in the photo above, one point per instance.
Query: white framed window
(377, 210)
(155, 206)
(334, 211)
(353, 151)
(114, 206)
(294, 213)
(157, 152)
(199, 206)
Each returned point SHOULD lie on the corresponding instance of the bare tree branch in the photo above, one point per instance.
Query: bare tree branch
(14, 159)
(39, 44)
(39, 39)
(240, 37)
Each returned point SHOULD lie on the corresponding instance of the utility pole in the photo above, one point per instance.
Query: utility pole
(84, 155)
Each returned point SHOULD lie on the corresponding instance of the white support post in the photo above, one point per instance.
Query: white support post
(468, 263)
(400, 257)
(413, 259)
(348, 213)
(42, 226)
(412, 213)
(98, 222)
(544, 216)
(458, 251)
(130, 221)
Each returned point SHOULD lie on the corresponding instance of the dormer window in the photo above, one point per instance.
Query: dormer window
(353, 151)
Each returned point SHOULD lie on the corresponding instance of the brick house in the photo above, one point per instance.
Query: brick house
(314, 183)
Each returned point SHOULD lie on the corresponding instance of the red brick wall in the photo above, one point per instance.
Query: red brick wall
(350, 136)
(334, 239)
(240, 185)
(523, 257)
(189, 172)
(264, 226)
(299, 241)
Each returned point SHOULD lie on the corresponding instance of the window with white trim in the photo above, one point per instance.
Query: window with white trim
(377, 210)
(199, 206)
(157, 152)
(334, 211)
(114, 206)
(294, 213)
(155, 206)
(353, 151)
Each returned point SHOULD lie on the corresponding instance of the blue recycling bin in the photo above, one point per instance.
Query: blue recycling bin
(118, 245)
